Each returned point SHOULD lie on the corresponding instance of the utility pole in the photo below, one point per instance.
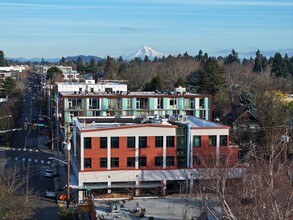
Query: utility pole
(68, 165)
(52, 131)
(27, 180)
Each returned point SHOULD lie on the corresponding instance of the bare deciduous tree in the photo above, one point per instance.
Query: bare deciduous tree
(16, 202)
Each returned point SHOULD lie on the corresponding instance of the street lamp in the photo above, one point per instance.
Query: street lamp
(53, 158)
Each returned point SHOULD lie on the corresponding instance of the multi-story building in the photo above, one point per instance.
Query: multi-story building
(144, 155)
(68, 73)
(108, 98)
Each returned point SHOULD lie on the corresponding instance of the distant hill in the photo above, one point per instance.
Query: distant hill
(84, 58)
(56, 60)
(142, 52)
(35, 59)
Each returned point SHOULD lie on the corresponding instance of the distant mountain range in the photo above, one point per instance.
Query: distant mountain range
(142, 52)
(57, 60)
(151, 53)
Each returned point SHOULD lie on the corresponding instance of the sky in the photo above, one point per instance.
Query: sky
(56, 28)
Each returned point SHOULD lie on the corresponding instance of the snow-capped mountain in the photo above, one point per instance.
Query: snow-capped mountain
(142, 52)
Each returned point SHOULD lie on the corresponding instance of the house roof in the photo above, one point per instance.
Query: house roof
(236, 113)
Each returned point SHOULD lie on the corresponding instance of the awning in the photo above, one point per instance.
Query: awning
(121, 185)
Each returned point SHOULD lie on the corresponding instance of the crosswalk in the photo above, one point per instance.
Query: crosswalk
(30, 160)
(25, 149)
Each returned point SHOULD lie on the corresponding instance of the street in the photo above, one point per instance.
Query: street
(31, 161)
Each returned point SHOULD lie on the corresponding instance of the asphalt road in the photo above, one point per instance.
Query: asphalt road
(25, 155)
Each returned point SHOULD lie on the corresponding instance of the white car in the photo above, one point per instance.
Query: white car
(48, 173)
(50, 193)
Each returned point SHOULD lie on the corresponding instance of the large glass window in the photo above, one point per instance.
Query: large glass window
(130, 161)
(159, 141)
(103, 162)
(196, 141)
(130, 142)
(212, 140)
(114, 142)
(223, 140)
(170, 161)
(103, 142)
(87, 143)
(170, 141)
(142, 161)
(158, 161)
(142, 142)
(115, 162)
(87, 162)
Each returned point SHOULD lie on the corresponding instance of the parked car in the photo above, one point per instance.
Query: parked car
(48, 173)
(50, 193)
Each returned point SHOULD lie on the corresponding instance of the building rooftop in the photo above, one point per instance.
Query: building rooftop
(99, 122)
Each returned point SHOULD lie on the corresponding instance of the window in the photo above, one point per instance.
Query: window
(196, 160)
(103, 162)
(103, 142)
(87, 162)
(223, 140)
(212, 140)
(87, 143)
(130, 142)
(142, 161)
(114, 142)
(115, 162)
(160, 103)
(170, 141)
(196, 141)
(159, 141)
(142, 142)
(130, 161)
(169, 161)
(173, 102)
(158, 161)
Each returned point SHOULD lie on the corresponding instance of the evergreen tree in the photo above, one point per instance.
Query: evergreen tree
(289, 64)
(199, 56)
(52, 73)
(155, 84)
(146, 59)
(260, 62)
(8, 86)
(279, 67)
(180, 82)
(194, 81)
(213, 79)
(120, 59)
(79, 65)
(246, 100)
(3, 61)
(110, 68)
(232, 57)
(257, 62)
(62, 61)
